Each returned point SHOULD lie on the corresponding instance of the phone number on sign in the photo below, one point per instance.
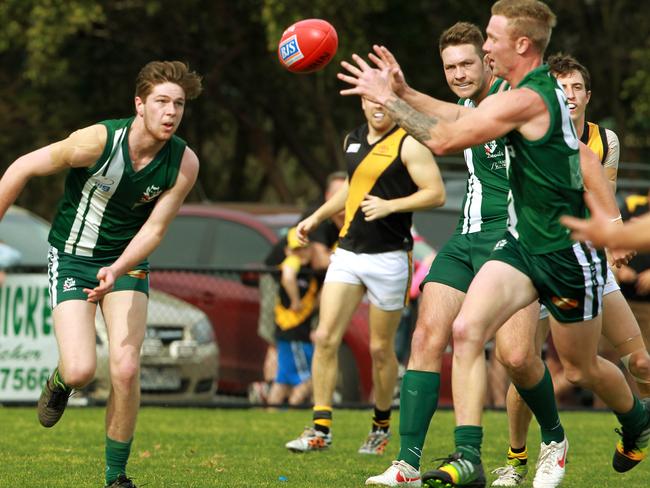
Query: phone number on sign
(23, 378)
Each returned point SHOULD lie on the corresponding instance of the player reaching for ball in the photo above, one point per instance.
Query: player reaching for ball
(390, 175)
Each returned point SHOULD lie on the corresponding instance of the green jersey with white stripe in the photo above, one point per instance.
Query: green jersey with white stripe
(485, 203)
(105, 205)
(545, 176)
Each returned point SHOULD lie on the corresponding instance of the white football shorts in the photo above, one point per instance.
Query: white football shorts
(386, 276)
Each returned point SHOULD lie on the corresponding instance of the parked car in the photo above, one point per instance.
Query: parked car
(180, 359)
(179, 355)
(202, 259)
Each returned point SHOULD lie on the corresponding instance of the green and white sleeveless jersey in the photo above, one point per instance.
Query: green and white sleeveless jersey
(545, 176)
(485, 203)
(105, 205)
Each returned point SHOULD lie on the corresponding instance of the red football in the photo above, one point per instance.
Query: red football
(307, 46)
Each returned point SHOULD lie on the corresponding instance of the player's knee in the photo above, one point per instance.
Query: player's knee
(429, 341)
(574, 375)
(78, 374)
(465, 337)
(513, 360)
(325, 343)
(381, 353)
(124, 373)
(639, 364)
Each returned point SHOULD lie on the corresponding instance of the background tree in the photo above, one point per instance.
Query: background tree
(262, 133)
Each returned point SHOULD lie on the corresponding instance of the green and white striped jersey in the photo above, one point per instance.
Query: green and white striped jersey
(485, 203)
(105, 205)
(545, 175)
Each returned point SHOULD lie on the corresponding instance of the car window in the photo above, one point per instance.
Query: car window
(234, 244)
(28, 235)
(183, 244)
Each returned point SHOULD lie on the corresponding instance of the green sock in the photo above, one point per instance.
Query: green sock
(468, 440)
(117, 455)
(418, 403)
(636, 419)
(541, 400)
(58, 381)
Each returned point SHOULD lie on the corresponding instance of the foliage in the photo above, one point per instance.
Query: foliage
(262, 133)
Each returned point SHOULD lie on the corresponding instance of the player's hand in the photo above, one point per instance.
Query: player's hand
(374, 208)
(598, 230)
(625, 274)
(374, 84)
(106, 279)
(304, 227)
(620, 257)
(296, 305)
(384, 59)
(643, 282)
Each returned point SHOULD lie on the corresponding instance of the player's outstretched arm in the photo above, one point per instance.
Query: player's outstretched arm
(602, 232)
(151, 233)
(79, 149)
(520, 109)
(424, 172)
(384, 59)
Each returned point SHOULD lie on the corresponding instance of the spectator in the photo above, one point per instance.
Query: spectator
(294, 310)
(322, 241)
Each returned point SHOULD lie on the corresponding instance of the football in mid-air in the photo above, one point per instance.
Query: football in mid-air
(308, 45)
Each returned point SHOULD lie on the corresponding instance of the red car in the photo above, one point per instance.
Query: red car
(202, 260)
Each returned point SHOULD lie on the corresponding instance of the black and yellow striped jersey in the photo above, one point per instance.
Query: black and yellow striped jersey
(376, 169)
(595, 138)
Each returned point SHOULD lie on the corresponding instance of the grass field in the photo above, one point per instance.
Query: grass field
(237, 448)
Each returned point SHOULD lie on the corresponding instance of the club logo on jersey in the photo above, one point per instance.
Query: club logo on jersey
(382, 150)
(290, 51)
(492, 151)
(69, 284)
(565, 303)
(500, 244)
(103, 183)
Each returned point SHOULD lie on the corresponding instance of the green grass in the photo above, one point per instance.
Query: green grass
(237, 448)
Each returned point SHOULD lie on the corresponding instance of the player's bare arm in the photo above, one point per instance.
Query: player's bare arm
(424, 172)
(602, 232)
(332, 206)
(82, 148)
(289, 281)
(426, 104)
(520, 109)
(151, 233)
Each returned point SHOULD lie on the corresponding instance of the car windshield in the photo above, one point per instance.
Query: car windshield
(26, 233)
(193, 241)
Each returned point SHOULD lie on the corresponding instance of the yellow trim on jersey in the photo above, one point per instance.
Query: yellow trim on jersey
(595, 141)
(634, 201)
(287, 319)
(407, 295)
(368, 172)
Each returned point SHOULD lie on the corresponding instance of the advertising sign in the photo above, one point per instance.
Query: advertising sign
(28, 351)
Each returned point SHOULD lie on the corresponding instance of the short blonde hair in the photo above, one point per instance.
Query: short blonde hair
(157, 72)
(528, 18)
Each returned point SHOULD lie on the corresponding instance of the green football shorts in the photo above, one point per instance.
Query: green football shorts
(68, 275)
(461, 257)
(569, 282)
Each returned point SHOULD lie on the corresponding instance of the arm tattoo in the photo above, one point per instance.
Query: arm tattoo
(415, 123)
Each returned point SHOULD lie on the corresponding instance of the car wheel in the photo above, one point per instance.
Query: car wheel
(347, 385)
